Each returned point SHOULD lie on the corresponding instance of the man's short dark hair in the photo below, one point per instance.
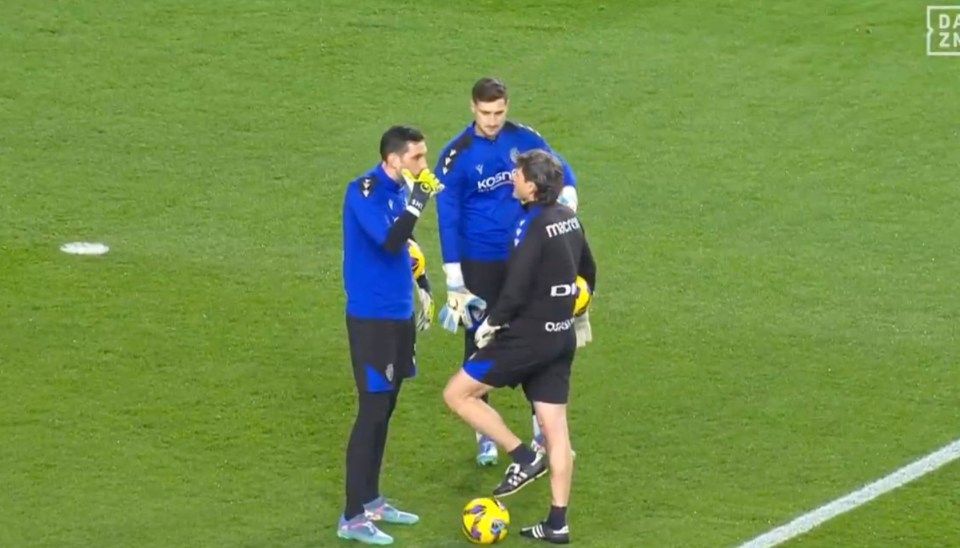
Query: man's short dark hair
(397, 139)
(487, 90)
(544, 170)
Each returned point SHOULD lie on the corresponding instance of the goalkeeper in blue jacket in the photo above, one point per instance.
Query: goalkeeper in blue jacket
(477, 214)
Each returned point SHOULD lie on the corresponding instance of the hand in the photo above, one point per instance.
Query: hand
(568, 197)
(462, 307)
(485, 334)
(425, 184)
(581, 324)
(422, 188)
(426, 311)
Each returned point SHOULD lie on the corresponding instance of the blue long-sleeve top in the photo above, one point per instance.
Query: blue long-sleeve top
(477, 211)
(376, 259)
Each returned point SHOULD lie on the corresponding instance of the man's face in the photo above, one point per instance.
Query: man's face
(490, 116)
(414, 158)
(523, 189)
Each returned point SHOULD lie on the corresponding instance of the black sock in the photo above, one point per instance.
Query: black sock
(373, 481)
(363, 462)
(557, 518)
(523, 454)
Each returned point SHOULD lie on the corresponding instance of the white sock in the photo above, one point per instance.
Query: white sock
(479, 436)
(536, 427)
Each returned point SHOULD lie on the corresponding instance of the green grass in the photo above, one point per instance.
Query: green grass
(777, 316)
(920, 514)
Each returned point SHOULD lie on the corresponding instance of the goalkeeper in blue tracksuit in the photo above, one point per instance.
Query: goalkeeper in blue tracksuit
(380, 210)
(477, 214)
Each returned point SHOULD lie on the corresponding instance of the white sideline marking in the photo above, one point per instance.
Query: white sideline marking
(815, 518)
(84, 248)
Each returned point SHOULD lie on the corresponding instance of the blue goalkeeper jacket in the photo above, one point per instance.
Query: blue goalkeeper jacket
(476, 211)
(378, 282)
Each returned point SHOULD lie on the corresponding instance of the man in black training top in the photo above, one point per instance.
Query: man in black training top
(529, 339)
(379, 214)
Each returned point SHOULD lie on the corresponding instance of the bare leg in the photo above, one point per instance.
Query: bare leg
(553, 420)
(463, 396)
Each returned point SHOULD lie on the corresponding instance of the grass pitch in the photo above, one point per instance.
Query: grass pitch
(771, 192)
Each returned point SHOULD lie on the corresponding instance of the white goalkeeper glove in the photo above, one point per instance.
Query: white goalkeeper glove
(581, 324)
(485, 334)
(568, 197)
(425, 314)
(463, 307)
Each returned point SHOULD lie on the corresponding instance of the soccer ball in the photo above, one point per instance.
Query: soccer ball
(418, 262)
(584, 297)
(485, 521)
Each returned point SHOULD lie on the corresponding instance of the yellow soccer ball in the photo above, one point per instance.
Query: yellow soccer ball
(418, 262)
(584, 297)
(485, 521)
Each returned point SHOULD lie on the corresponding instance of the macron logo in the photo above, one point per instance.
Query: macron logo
(562, 227)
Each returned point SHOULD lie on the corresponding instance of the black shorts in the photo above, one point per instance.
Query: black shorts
(541, 364)
(484, 279)
(382, 351)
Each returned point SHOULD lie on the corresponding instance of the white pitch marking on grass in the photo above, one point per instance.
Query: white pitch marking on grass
(916, 469)
(84, 248)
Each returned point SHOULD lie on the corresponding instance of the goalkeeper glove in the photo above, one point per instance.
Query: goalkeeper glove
(485, 334)
(425, 313)
(463, 307)
(581, 324)
(568, 197)
(422, 187)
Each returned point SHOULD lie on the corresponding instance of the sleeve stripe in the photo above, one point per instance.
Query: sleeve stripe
(459, 146)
